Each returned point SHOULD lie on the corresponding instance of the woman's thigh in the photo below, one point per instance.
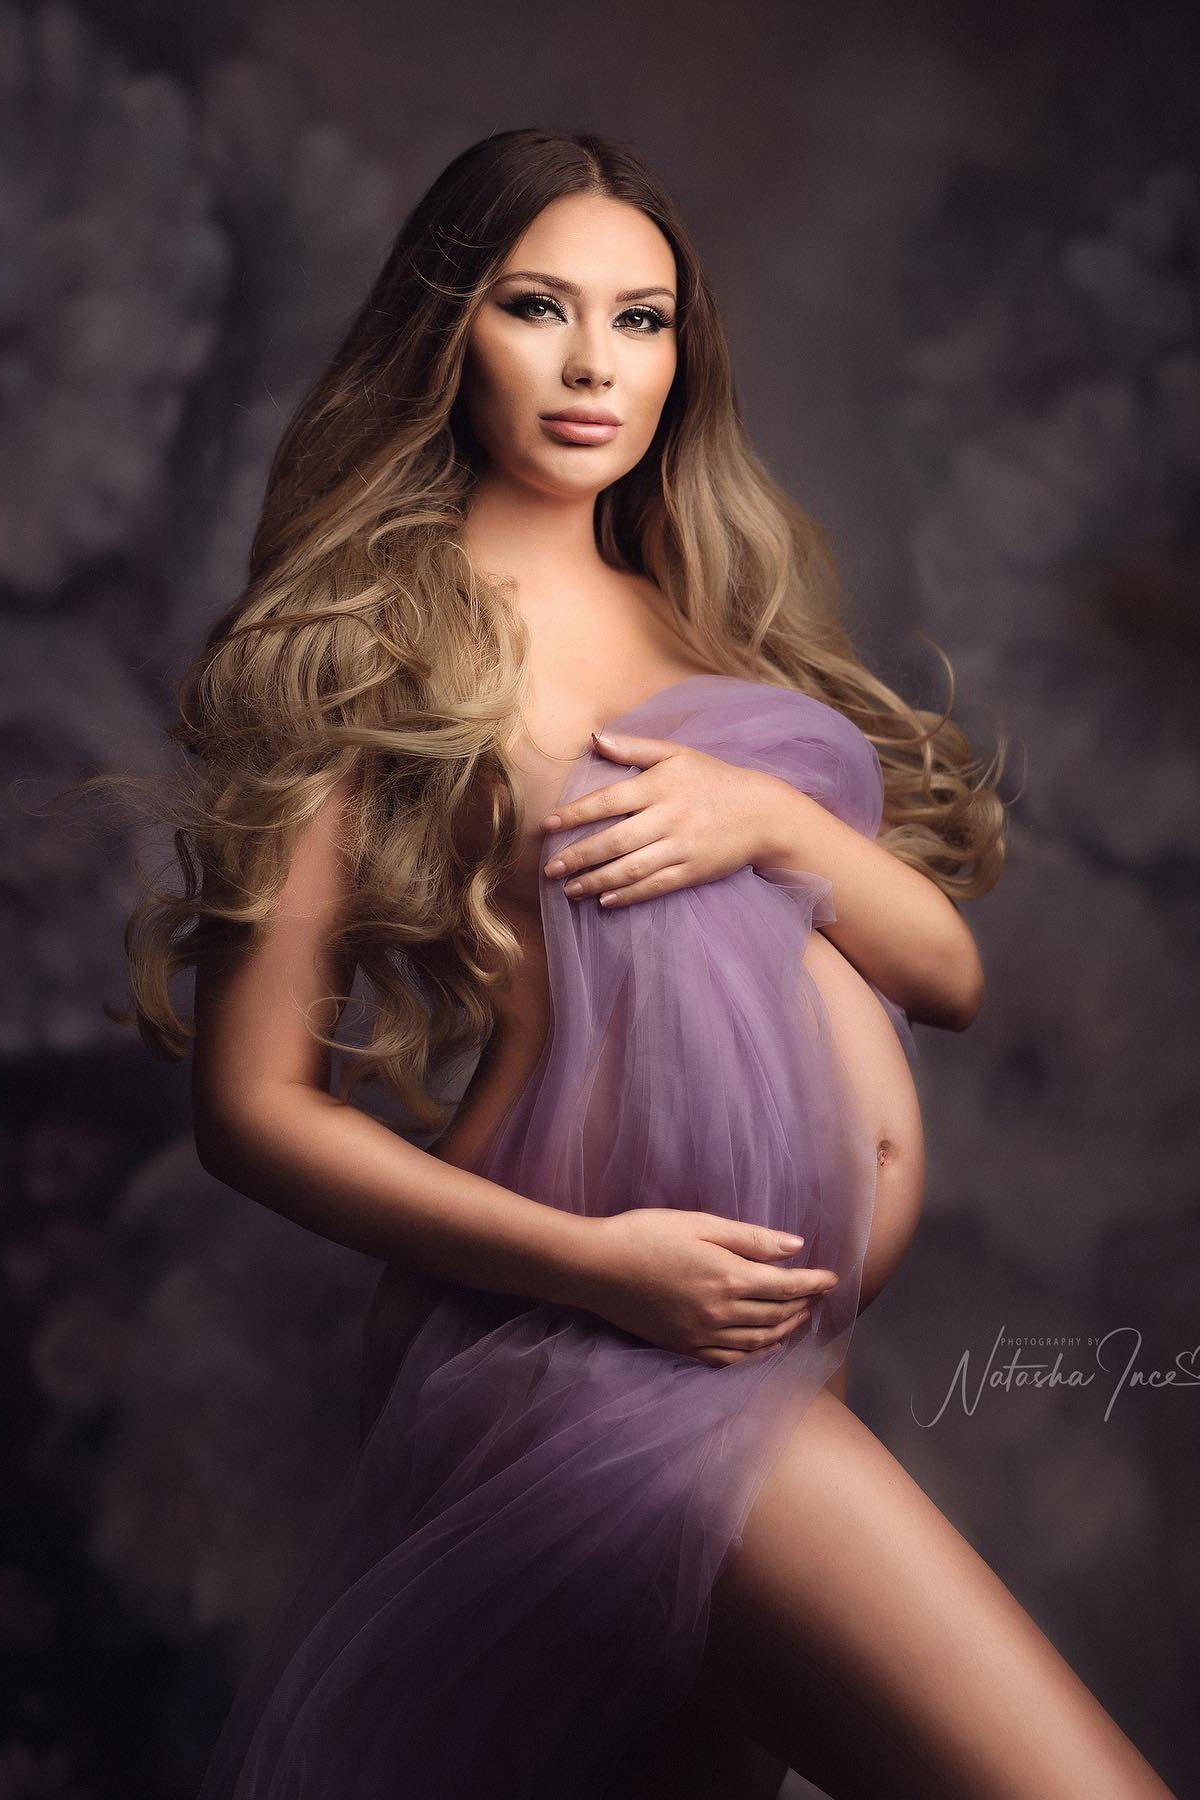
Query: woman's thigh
(699, 1752)
(857, 1636)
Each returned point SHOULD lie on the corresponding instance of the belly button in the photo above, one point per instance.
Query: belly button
(885, 1151)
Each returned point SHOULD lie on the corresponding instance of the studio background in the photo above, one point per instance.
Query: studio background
(956, 252)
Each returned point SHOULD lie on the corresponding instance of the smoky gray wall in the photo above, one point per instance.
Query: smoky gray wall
(956, 254)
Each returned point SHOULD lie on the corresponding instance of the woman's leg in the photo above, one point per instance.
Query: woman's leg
(857, 1635)
(702, 1753)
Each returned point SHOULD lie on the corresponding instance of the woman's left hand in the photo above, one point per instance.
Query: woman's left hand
(693, 818)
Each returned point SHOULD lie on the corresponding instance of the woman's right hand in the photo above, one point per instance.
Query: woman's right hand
(700, 1283)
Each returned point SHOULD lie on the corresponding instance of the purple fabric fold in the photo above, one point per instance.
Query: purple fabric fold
(518, 1583)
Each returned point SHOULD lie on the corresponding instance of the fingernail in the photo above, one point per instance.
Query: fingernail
(789, 1241)
(555, 866)
(552, 823)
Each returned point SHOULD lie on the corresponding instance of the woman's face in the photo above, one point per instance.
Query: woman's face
(582, 317)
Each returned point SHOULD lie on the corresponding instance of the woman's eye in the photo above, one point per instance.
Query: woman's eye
(524, 302)
(658, 321)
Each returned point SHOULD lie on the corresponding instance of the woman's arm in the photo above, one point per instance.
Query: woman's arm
(266, 1124)
(895, 925)
(689, 817)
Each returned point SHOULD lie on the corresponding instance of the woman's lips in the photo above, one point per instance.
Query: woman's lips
(573, 431)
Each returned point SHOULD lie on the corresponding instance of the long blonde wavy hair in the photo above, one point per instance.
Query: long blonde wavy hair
(367, 652)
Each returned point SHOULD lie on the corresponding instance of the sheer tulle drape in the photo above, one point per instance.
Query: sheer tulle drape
(518, 1583)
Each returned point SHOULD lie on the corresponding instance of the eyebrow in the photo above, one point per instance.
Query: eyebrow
(569, 287)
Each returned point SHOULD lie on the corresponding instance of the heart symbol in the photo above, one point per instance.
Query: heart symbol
(1190, 1357)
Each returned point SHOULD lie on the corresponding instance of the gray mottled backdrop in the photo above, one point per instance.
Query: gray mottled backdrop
(958, 264)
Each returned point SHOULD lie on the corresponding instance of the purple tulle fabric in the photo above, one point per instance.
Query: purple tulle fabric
(517, 1585)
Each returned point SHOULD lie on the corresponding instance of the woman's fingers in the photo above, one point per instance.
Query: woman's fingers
(720, 1357)
(668, 881)
(763, 1312)
(742, 1337)
(778, 1288)
(623, 871)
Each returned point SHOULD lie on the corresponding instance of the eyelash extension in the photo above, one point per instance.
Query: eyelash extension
(522, 300)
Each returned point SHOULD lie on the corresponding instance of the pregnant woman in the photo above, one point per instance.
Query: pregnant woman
(612, 1530)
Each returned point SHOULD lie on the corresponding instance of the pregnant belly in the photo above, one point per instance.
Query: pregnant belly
(879, 1075)
(876, 1067)
(876, 1070)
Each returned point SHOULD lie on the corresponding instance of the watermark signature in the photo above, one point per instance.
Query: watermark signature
(1101, 1359)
